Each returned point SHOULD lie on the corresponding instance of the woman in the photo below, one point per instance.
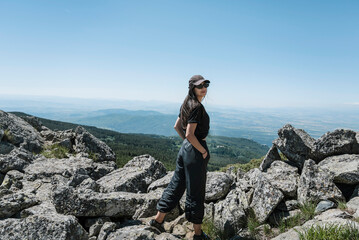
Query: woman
(191, 165)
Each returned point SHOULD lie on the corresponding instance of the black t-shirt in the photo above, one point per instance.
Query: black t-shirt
(199, 115)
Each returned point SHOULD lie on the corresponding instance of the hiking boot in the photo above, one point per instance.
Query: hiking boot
(156, 225)
(203, 236)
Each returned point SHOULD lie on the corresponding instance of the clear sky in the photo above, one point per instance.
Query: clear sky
(256, 53)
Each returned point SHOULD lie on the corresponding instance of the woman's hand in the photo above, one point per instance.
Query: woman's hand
(204, 155)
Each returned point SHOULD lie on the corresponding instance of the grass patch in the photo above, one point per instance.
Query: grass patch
(330, 232)
(308, 210)
(252, 223)
(93, 156)
(254, 163)
(8, 137)
(211, 230)
(55, 151)
(342, 205)
(285, 224)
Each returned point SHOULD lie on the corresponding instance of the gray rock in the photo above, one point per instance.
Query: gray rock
(43, 227)
(166, 236)
(6, 148)
(217, 185)
(137, 232)
(295, 144)
(19, 133)
(270, 157)
(316, 184)
(33, 121)
(95, 225)
(283, 177)
(45, 207)
(106, 229)
(68, 167)
(288, 205)
(278, 216)
(344, 167)
(15, 202)
(229, 214)
(115, 204)
(324, 205)
(17, 159)
(161, 183)
(265, 198)
(13, 181)
(85, 142)
(135, 176)
(353, 205)
(338, 142)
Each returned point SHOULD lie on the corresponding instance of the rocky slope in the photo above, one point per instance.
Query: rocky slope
(83, 195)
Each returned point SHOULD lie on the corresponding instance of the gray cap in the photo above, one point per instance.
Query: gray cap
(198, 79)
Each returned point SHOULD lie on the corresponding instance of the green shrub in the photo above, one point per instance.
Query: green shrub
(252, 223)
(93, 156)
(211, 230)
(55, 151)
(308, 210)
(8, 137)
(330, 232)
(342, 205)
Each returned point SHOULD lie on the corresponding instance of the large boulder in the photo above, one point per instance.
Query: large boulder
(19, 133)
(217, 185)
(338, 142)
(316, 184)
(47, 167)
(68, 200)
(229, 214)
(15, 202)
(283, 177)
(295, 144)
(45, 226)
(345, 168)
(135, 176)
(265, 198)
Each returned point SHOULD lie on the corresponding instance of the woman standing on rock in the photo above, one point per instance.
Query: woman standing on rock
(191, 165)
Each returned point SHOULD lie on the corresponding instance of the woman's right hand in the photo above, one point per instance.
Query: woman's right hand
(204, 155)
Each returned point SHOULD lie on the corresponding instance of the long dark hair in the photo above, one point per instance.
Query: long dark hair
(190, 102)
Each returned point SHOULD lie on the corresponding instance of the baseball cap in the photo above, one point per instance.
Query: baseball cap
(198, 79)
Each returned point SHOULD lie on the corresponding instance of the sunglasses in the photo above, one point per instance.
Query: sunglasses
(206, 85)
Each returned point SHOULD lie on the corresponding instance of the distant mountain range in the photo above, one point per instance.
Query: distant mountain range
(158, 118)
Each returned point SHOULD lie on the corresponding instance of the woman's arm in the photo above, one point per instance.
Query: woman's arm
(178, 128)
(191, 127)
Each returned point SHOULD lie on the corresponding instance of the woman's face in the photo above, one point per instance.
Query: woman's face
(200, 92)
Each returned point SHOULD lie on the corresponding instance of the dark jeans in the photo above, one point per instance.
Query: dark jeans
(190, 173)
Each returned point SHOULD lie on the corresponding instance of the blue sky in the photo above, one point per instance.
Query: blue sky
(256, 53)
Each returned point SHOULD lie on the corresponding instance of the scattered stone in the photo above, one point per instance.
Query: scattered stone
(324, 205)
